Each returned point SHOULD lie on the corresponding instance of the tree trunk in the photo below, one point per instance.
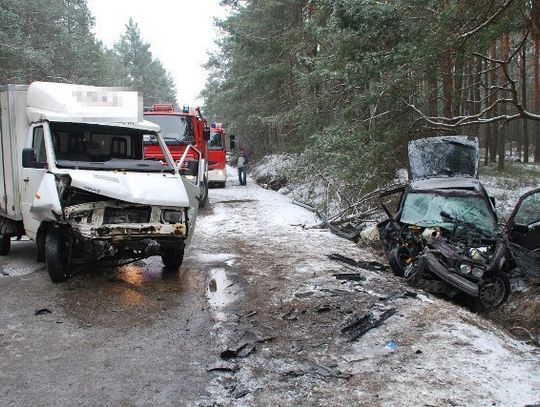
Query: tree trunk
(494, 128)
(525, 123)
(505, 49)
(536, 97)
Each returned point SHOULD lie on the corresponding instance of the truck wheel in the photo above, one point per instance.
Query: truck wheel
(494, 293)
(172, 257)
(204, 198)
(5, 244)
(55, 254)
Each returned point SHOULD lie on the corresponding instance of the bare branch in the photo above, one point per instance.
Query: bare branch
(490, 20)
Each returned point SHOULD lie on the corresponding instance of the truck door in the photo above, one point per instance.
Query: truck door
(32, 175)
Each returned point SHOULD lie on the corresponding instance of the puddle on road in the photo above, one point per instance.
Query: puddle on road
(220, 291)
(99, 296)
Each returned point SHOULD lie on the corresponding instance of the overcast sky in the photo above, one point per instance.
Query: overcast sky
(180, 33)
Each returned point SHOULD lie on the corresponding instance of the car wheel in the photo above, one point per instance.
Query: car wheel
(494, 293)
(398, 259)
(204, 198)
(5, 244)
(172, 257)
(58, 265)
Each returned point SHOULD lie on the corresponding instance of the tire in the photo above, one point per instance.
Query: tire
(204, 198)
(492, 294)
(5, 244)
(396, 258)
(58, 265)
(172, 257)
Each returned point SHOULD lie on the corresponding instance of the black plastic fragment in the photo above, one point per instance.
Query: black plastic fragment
(366, 323)
(366, 265)
(42, 311)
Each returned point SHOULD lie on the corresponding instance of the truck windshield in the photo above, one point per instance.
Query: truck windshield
(424, 209)
(174, 129)
(87, 146)
(215, 142)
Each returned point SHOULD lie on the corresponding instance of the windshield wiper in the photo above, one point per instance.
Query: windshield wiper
(467, 225)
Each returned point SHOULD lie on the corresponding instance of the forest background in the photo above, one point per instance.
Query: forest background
(343, 83)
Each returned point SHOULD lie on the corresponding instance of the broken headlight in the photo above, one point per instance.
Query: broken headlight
(170, 216)
(465, 268)
(79, 216)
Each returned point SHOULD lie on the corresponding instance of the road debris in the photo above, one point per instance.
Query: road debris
(42, 311)
(391, 345)
(350, 276)
(223, 367)
(366, 265)
(241, 351)
(364, 324)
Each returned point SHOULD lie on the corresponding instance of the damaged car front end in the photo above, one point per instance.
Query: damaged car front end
(444, 236)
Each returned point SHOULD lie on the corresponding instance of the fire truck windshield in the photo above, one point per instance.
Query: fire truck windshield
(215, 142)
(174, 129)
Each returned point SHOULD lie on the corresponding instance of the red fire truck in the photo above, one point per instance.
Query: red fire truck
(217, 162)
(180, 129)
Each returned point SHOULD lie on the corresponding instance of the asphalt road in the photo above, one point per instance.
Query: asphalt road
(256, 315)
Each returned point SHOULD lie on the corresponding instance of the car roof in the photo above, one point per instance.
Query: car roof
(438, 183)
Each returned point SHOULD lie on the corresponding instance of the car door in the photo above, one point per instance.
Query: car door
(523, 231)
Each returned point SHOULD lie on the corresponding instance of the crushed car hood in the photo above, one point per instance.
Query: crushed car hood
(142, 188)
(450, 156)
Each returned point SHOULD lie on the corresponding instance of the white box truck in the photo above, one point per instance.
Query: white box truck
(73, 178)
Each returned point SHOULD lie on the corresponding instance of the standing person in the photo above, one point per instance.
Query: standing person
(241, 163)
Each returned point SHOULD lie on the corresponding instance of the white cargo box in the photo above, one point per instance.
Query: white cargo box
(13, 134)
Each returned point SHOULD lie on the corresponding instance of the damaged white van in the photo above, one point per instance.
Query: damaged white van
(75, 179)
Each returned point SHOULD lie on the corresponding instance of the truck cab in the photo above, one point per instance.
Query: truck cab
(217, 160)
(180, 129)
(76, 180)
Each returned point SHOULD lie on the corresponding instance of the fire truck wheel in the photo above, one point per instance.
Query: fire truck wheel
(172, 257)
(5, 244)
(56, 256)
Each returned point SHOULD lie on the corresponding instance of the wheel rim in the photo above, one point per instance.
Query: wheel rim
(492, 294)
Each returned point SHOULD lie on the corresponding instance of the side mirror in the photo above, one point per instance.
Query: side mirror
(29, 158)
(206, 133)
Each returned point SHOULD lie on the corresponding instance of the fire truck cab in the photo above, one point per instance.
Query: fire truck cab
(180, 129)
(217, 161)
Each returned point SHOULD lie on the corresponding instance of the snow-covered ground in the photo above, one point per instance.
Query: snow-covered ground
(285, 296)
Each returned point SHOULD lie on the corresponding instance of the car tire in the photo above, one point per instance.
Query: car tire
(492, 294)
(172, 257)
(5, 244)
(395, 260)
(204, 197)
(58, 264)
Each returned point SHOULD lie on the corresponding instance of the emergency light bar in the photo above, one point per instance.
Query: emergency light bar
(163, 107)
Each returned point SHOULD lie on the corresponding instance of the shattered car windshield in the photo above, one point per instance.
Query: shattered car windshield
(424, 209)
(174, 129)
(100, 147)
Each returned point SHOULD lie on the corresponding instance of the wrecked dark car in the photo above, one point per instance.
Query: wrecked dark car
(445, 235)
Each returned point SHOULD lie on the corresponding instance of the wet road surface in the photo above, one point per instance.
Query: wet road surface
(253, 317)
